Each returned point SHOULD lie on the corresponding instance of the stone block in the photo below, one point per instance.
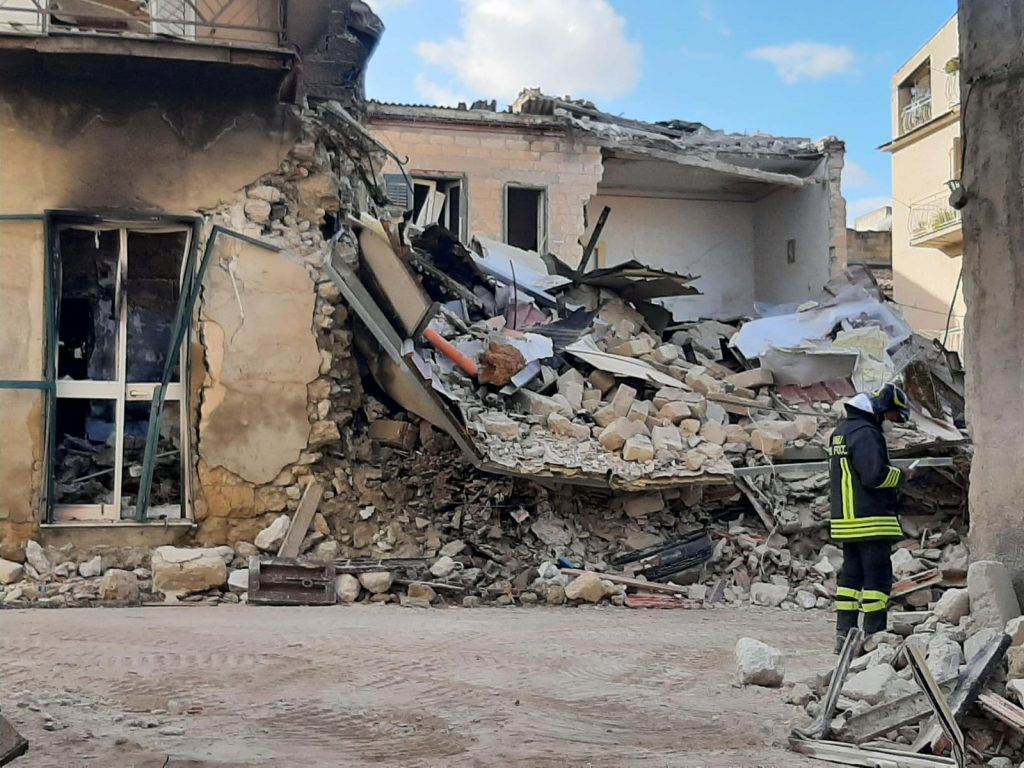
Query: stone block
(666, 353)
(179, 570)
(635, 347)
(667, 395)
(878, 684)
(769, 595)
(638, 448)
(615, 435)
(976, 642)
(1015, 629)
(675, 412)
(953, 606)
(270, 538)
(540, 405)
(695, 460)
(701, 382)
(992, 597)
(376, 582)
(587, 587)
(563, 427)
(666, 439)
(501, 426)
(639, 411)
(769, 443)
(323, 433)
(759, 664)
(752, 379)
(347, 588)
(807, 426)
(637, 505)
(573, 393)
(119, 585)
(714, 432)
(689, 426)
(716, 413)
(11, 572)
(604, 416)
(623, 399)
(736, 434)
(1015, 662)
(601, 380)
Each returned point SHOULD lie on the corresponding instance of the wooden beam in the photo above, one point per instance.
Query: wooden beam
(303, 516)
(629, 582)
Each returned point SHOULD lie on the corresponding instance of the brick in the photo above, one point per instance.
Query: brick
(623, 399)
(602, 381)
(768, 442)
(713, 432)
(675, 412)
(666, 439)
(638, 448)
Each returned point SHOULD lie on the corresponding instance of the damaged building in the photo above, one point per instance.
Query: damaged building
(250, 315)
(150, 151)
(761, 219)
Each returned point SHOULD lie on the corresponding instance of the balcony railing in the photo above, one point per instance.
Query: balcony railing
(916, 113)
(934, 223)
(249, 23)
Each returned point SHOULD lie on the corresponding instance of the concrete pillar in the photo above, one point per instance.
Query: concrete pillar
(992, 62)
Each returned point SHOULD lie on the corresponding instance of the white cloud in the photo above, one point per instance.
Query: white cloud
(569, 47)
(796, 61)
(435, 93)
(386, 6)
(856, 176)
(689, 53)
(856, 208)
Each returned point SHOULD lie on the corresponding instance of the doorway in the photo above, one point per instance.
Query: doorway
(117, 290)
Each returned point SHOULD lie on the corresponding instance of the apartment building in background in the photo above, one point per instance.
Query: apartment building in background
(927, 239)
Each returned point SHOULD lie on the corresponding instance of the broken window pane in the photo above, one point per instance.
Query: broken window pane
(166, 494)
(87, 334)
(85, 451)
(154, 286)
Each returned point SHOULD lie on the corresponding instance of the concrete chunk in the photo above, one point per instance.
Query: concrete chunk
(770, 595)
(992, 597)
(759, 664)
(976, 642)
(1015, 629)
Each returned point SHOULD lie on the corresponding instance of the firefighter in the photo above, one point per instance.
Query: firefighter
(864, 488)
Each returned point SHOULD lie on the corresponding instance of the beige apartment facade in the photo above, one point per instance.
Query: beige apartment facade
(927, 238)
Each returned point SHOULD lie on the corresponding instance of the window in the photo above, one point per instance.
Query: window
(434, 200)
(118, 293)
(525, 218)
(915, 98)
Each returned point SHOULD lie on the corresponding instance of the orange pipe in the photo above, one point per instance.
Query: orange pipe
(448, 350)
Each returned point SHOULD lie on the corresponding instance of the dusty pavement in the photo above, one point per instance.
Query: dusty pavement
(233, 686)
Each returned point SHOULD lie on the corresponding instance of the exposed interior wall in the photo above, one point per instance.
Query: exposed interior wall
(869, 247)
(489, 159)
(715, 240)
(994, 277)
(258, 363)
(21, 412)
(801, 215)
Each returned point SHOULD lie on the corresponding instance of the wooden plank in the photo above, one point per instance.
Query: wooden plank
(1001, 709)
(303, 516)
(627, 581)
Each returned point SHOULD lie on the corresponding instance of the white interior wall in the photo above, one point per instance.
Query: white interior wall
(800, 214)
(712, 239)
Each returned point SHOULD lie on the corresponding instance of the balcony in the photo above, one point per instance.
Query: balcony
(916, 113)
(249, 24)
(935, 224)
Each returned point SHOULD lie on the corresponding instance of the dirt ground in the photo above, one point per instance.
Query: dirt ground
(233, 686)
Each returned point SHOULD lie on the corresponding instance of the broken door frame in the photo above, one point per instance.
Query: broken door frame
(54, 221)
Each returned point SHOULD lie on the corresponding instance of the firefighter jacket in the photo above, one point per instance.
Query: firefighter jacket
(864, 484)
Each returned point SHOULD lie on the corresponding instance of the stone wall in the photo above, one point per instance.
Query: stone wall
(491, 158)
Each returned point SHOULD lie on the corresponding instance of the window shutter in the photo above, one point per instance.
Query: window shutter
(398, 190)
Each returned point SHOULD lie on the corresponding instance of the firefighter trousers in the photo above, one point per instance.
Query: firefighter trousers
(864, 585)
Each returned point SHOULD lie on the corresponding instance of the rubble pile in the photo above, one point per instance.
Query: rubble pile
(972, 641)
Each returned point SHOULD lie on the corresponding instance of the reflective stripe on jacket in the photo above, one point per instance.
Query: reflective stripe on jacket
(864, 484)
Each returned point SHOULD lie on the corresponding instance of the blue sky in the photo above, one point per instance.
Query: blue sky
(789, 67)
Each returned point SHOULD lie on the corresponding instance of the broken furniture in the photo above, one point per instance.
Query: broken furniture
(285, 581)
